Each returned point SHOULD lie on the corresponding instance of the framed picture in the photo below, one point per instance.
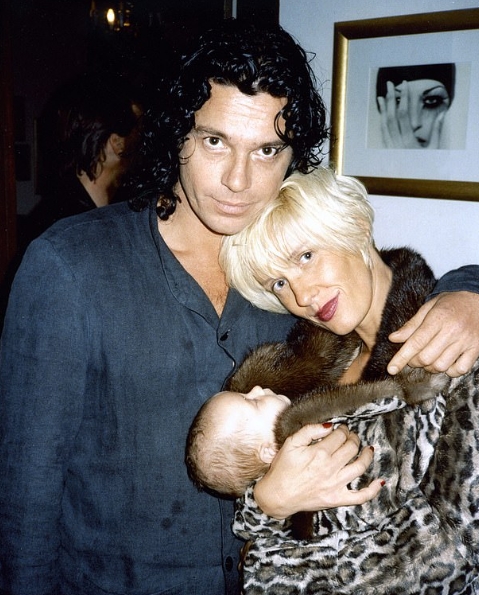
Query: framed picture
(405, 104)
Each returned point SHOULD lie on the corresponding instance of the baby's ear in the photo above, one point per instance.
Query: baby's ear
(267, 452)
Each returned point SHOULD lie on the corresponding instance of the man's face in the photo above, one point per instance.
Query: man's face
(233, 162)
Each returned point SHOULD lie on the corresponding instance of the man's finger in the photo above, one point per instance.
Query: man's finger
(402, 334)
(405, 357)
(414, 342)
(463, 364)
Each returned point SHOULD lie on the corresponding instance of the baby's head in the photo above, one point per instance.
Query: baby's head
(231, 440)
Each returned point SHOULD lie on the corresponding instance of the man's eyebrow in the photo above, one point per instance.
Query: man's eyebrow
(277, 142)
(210, 131)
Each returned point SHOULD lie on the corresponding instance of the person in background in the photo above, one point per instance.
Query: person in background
(88, 139)
(120, 325)
(89, 133)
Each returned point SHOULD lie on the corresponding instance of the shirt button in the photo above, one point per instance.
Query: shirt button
(224, 336)
(229, 563)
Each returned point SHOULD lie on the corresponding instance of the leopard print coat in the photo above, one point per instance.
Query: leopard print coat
(420, 536)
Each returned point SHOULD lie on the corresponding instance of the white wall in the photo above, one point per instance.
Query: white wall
(446, 232)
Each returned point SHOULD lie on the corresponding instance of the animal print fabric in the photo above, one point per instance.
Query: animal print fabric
(420, 536)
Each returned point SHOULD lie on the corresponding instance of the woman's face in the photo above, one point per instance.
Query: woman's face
(426, 100)
(334, 291)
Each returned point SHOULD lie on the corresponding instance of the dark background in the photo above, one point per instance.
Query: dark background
(43, 43)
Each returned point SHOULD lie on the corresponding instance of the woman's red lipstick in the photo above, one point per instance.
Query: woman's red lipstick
(328, 310)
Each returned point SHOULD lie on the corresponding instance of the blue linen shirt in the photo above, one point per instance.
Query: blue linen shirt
(109, 348)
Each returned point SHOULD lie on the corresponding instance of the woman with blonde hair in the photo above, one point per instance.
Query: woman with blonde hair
(311, 252)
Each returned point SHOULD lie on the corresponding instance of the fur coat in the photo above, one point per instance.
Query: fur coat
(421, 534)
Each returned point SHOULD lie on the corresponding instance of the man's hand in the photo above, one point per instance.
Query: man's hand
(442, 337)
(312, 472)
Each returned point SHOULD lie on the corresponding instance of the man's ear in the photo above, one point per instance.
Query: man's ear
(267, 452)
(117, 143)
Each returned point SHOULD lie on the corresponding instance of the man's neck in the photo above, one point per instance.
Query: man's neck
(197, 249)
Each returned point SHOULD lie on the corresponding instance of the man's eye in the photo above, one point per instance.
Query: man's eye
(213, 141)
(269, 151)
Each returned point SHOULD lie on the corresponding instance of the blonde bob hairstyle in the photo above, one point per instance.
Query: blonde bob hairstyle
(318, 210)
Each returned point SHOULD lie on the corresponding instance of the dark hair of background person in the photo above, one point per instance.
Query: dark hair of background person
(77, 122)
(72, 131)
(255, 60)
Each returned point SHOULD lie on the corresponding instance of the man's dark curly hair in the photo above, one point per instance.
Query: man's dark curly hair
(253, 59)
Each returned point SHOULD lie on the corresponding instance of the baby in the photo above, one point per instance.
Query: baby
(231, 441)
(235, 436)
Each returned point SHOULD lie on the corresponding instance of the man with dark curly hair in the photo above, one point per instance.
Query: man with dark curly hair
(120, 325)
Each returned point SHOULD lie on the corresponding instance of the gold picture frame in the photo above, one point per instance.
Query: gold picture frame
(362, 48)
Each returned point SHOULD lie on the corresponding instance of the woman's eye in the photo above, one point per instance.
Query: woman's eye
(434, 101)
(278, 285)
(306, 256)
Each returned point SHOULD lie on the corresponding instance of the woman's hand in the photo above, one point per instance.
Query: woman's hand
(442, 337)
(312, 472)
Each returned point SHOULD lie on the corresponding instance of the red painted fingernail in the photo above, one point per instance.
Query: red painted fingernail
(372, 448)
(383, 483)
(328, 424)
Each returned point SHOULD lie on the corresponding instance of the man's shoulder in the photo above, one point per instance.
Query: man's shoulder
(109, 212)
(102, 224)
(101, 235)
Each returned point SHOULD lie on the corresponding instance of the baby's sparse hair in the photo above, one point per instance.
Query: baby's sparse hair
(318, 210)
(224, 464)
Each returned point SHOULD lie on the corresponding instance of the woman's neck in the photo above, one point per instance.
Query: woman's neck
(381, 285)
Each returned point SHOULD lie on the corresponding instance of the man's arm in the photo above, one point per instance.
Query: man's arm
(42, 375)
(444, 334)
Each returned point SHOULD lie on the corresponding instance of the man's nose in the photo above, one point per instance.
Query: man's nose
(237, 175)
